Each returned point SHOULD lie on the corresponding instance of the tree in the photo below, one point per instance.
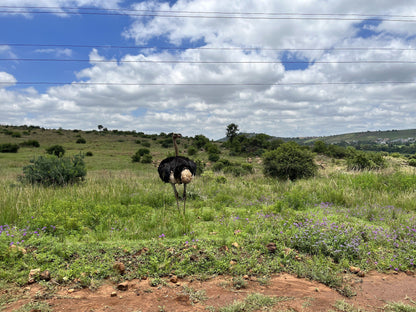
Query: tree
(100, 127)
(289, 161)
(232, 131)
(200, 141)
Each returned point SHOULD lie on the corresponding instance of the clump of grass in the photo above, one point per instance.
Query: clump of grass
(346, 307)
(195, 296)
(239, 282)
(399, 307)
(253, 302)
(35, 306)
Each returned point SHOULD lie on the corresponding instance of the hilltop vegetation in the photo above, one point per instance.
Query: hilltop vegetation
(239, 220)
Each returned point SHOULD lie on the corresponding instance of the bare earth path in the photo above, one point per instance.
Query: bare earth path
(373, 292)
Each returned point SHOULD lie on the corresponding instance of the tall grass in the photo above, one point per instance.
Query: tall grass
(320, 226)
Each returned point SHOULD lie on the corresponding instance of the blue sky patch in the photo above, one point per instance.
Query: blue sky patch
(365, 29)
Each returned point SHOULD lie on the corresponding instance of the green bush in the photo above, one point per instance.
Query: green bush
(192, 151)
(412, 162)
(146, 159)
(81, 141)
(57, 150)
(365, 161)
(289, 161)
(138, 155)
(55, 171)
(143, 151)
(28, 143)
(9, 148)
(213, 157)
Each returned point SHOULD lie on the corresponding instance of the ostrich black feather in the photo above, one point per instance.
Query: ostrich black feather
(175, 164)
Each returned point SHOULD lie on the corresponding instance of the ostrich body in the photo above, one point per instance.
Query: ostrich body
(177, 170)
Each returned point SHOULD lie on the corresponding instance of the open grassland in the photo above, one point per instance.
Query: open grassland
(123, 213)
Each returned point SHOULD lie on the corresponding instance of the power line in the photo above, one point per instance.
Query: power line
(208, 62)
(109, 46)
(240, 14)
(8, 83)
(171, 14)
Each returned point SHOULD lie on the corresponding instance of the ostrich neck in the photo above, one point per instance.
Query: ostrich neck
(176, 147)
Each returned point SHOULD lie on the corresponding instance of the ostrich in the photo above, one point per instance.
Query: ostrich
(177, 170)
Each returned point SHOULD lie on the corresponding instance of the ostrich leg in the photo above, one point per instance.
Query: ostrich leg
(184, 198)
(176, 196)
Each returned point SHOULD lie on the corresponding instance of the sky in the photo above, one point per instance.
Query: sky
(285, 68)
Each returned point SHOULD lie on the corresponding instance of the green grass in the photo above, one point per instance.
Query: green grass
(123, 212)
(253, 302)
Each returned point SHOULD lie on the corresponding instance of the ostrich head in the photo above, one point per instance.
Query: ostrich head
(176, 135)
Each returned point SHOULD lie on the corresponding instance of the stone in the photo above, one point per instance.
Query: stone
(174, 279)
(119, 267)
(123, 286)
(361, 274)
(33, 274)
(271, 247)
(45, 275)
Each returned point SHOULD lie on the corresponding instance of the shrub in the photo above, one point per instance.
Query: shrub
(289, 161)
(221, 164)
(192, 151)
(146, 159)
(365, 160)
(33, 143)
(136, 158)
(235, 171)
(16, 135)
(213, 157)
(200, 166)
(146, 144)
(143, 151)
(247, 167)
(55, 171)
(57, 150)
(81, 141)
(138, 155)
(9, 148)
(89, 154)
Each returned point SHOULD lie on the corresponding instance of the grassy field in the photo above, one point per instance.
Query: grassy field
(123, 213)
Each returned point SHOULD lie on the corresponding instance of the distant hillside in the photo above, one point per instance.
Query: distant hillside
(381, 137)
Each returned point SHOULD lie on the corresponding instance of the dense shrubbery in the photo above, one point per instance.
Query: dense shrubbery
(143, 155)
(9, 148)
(359, 160)
(57, 150)
(330, 150)
(146, 159)
(356, 160)
(29, 143)
(255, 145)
(81, 141)
(235, 169)
(54, 171)
(289, 161)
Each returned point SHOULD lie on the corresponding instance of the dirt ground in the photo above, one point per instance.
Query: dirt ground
(373, 292)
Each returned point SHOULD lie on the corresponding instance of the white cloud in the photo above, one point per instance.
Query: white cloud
(56, 52)
(6, 79)
(280, 109)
